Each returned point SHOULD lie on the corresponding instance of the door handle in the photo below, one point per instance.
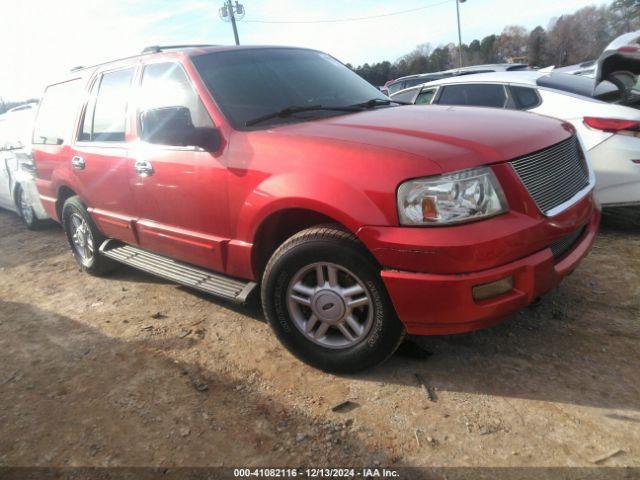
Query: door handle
(144, 168)
(78, 163)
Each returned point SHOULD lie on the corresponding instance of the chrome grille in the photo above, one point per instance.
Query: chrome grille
(553, 175)
(562, 246)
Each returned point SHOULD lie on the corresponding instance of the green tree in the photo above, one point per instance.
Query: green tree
(487, 49)
(536, 47)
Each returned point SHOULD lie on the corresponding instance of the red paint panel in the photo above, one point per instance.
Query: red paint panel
(193, 247)
(113, 225)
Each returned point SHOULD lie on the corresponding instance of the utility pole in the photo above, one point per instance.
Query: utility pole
(458, 2)
(230, 13)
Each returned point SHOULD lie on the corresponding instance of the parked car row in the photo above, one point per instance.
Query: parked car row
(394, 86)
(358, 219)
(603, 110)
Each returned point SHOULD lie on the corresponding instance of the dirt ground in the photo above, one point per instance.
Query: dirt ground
(131, 370)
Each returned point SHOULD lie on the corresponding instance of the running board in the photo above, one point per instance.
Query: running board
(182, 273)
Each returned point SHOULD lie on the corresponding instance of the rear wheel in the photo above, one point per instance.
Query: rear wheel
(324, 298)
(25, 210)
(84, 238)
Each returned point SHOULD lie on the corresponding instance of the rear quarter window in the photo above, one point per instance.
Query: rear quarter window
(57, 113)
(405, 96)
(425, 97)
(395, 87)
(525, 97)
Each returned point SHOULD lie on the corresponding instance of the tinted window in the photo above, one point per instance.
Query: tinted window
(518, 67)
(405, 96)
(425, 97)
(524, 97)
(395, 87)
(414, 82)
(166, 85)
(57, 113)
(254, 82)
(110, 112)
(475, 95)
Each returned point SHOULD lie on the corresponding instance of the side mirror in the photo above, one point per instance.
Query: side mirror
(173, 126)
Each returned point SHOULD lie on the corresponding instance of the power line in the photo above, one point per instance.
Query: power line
(352, 19)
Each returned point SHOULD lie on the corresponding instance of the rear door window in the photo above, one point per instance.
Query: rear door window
(525, 97)
(57, 113)
(478, 95)
(106, 119)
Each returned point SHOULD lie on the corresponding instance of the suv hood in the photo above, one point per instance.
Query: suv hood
(453, 137)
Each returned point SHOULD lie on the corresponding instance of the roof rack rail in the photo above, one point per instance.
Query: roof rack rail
(152, 49)
(160, 48)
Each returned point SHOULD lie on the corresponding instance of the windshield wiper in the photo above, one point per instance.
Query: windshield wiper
(287, 112)
(377, 102)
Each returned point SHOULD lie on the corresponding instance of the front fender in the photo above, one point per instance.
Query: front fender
(327, 195)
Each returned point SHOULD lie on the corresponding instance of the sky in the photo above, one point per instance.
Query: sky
(40, 40)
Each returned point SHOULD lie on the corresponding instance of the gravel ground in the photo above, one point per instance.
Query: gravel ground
(130, 370)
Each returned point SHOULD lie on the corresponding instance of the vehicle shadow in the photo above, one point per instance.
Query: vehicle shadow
(77, 396)
(556, 352)
(574, 347)
(621, 219)
(45, 242)
(546, 352)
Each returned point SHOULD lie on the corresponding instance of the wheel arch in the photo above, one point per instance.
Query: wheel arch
(64, 193)
(283, 205)
(280, 225)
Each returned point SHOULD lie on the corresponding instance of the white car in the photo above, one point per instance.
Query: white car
(609, 131)
(17, 186)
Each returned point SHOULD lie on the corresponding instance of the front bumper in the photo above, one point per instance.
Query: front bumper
(437, 304)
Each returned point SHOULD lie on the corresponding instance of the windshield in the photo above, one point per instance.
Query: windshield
(247, 84)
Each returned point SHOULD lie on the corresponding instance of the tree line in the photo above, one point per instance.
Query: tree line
(567, 40)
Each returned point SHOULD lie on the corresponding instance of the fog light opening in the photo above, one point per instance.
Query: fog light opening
(493, 289)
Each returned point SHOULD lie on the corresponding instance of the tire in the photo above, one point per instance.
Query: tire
(345, 345)
(25, 210)
(85, 246)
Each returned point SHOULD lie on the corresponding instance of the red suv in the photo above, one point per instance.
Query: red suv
(222, 168)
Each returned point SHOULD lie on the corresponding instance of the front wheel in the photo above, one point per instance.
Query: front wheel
(323, 296)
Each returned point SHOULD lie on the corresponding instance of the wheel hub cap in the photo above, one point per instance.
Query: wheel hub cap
(330, 305)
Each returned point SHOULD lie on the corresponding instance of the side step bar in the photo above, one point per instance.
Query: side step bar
(214, 283)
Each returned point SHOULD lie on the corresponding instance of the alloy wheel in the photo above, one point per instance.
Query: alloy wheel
(25, 208)
(82, 238)
(330, 305)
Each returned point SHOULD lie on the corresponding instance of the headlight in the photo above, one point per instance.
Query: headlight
(451, 198)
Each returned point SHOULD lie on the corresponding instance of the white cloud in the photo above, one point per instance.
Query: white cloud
(41, 39)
